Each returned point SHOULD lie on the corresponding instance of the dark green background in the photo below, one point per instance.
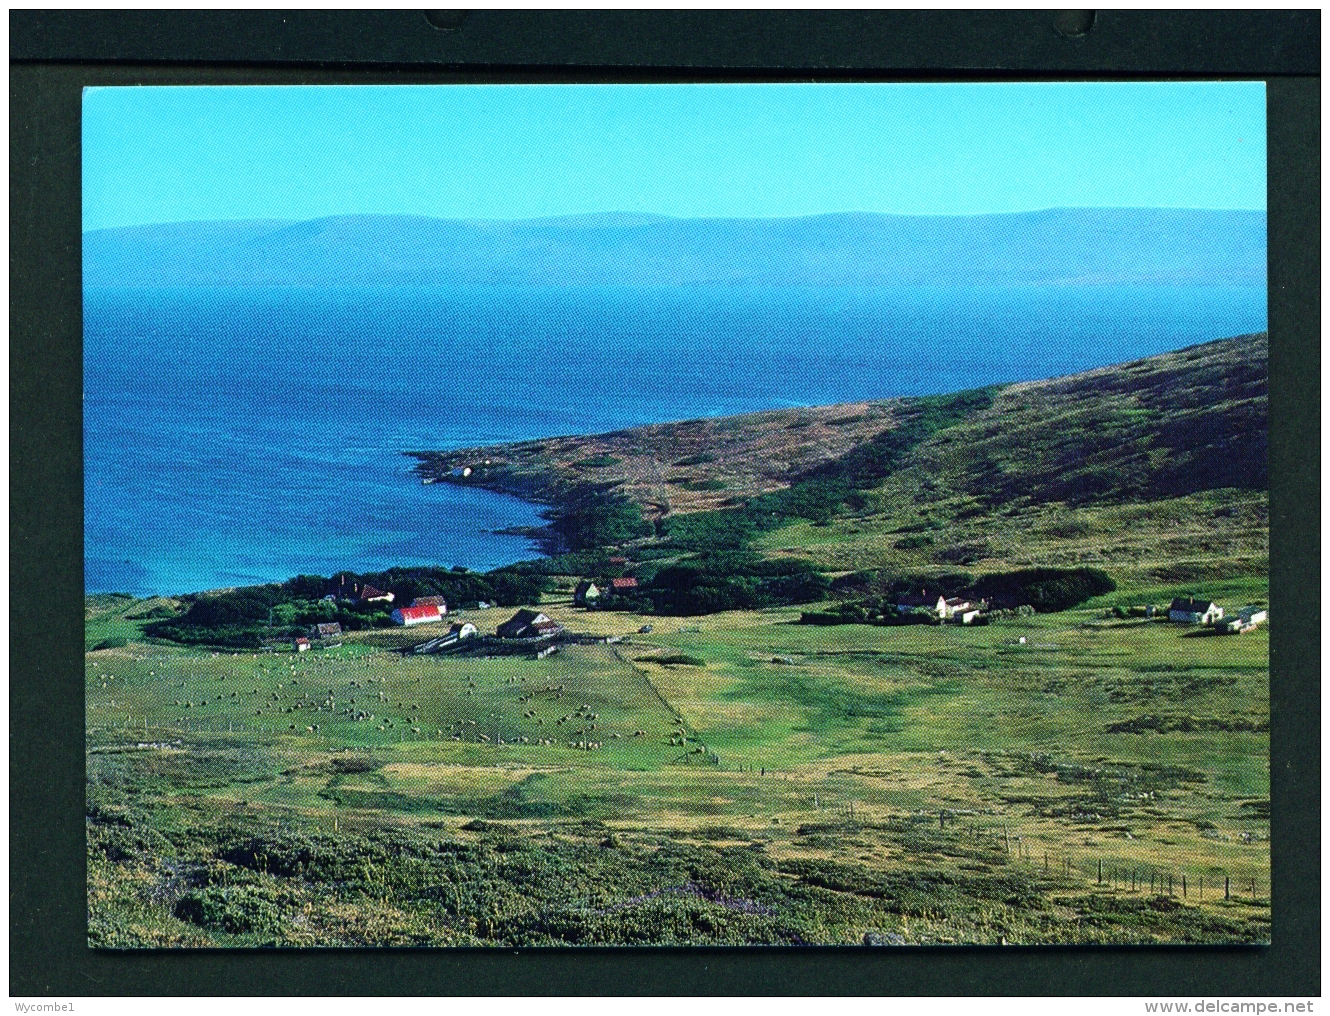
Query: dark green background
(54, 54)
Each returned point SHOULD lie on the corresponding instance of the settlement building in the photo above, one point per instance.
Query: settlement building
(1193, 611)
(950, 608)
(431, 601)
(449, 641)
(408, 616)
(618, 587)
(586, 592)
(1252, 616)
(528, 624)
(464, 630)
(300, 645)
(369, 594)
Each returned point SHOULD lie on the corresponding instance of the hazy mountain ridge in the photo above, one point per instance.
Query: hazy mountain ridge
(1075, 246)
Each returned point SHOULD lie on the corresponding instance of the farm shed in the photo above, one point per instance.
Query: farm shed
(528, 624)
(1193, 611)
(586, 592)
(408, 616)
(1252, 616)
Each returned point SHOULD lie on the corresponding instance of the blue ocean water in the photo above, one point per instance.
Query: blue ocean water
(235, 436)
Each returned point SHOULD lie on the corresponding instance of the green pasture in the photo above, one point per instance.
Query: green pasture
(907, 528)
(839, 760)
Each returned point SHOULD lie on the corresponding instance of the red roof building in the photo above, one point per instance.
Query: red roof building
(431, 601)
(369, 594)
(408, 616)
(622, 585)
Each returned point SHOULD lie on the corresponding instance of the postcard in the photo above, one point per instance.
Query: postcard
(676, 514)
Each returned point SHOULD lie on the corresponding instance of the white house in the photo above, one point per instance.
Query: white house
(1193, 611)
(950, 608)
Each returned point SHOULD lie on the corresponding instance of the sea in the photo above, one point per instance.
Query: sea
(235, 436)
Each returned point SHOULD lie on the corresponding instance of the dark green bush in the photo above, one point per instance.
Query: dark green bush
(709, 583)
(236, 910)
(913, 542)
(596, 462)
(1044, 589)
(676, 659)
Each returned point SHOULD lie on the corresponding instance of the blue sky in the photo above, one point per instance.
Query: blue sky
(520, 151)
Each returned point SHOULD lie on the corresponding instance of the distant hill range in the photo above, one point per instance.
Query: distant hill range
(1065, 246)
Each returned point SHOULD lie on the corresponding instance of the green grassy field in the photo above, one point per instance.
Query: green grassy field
(802, 785)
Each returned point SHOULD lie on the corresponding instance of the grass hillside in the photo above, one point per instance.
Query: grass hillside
(694, 465)
(1162, 427)
(1157, 467)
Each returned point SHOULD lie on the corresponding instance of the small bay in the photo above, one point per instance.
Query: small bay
(245, 434)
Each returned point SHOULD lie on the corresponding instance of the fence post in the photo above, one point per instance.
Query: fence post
(1101, 871)
(1184, 885)
(1226, 887)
